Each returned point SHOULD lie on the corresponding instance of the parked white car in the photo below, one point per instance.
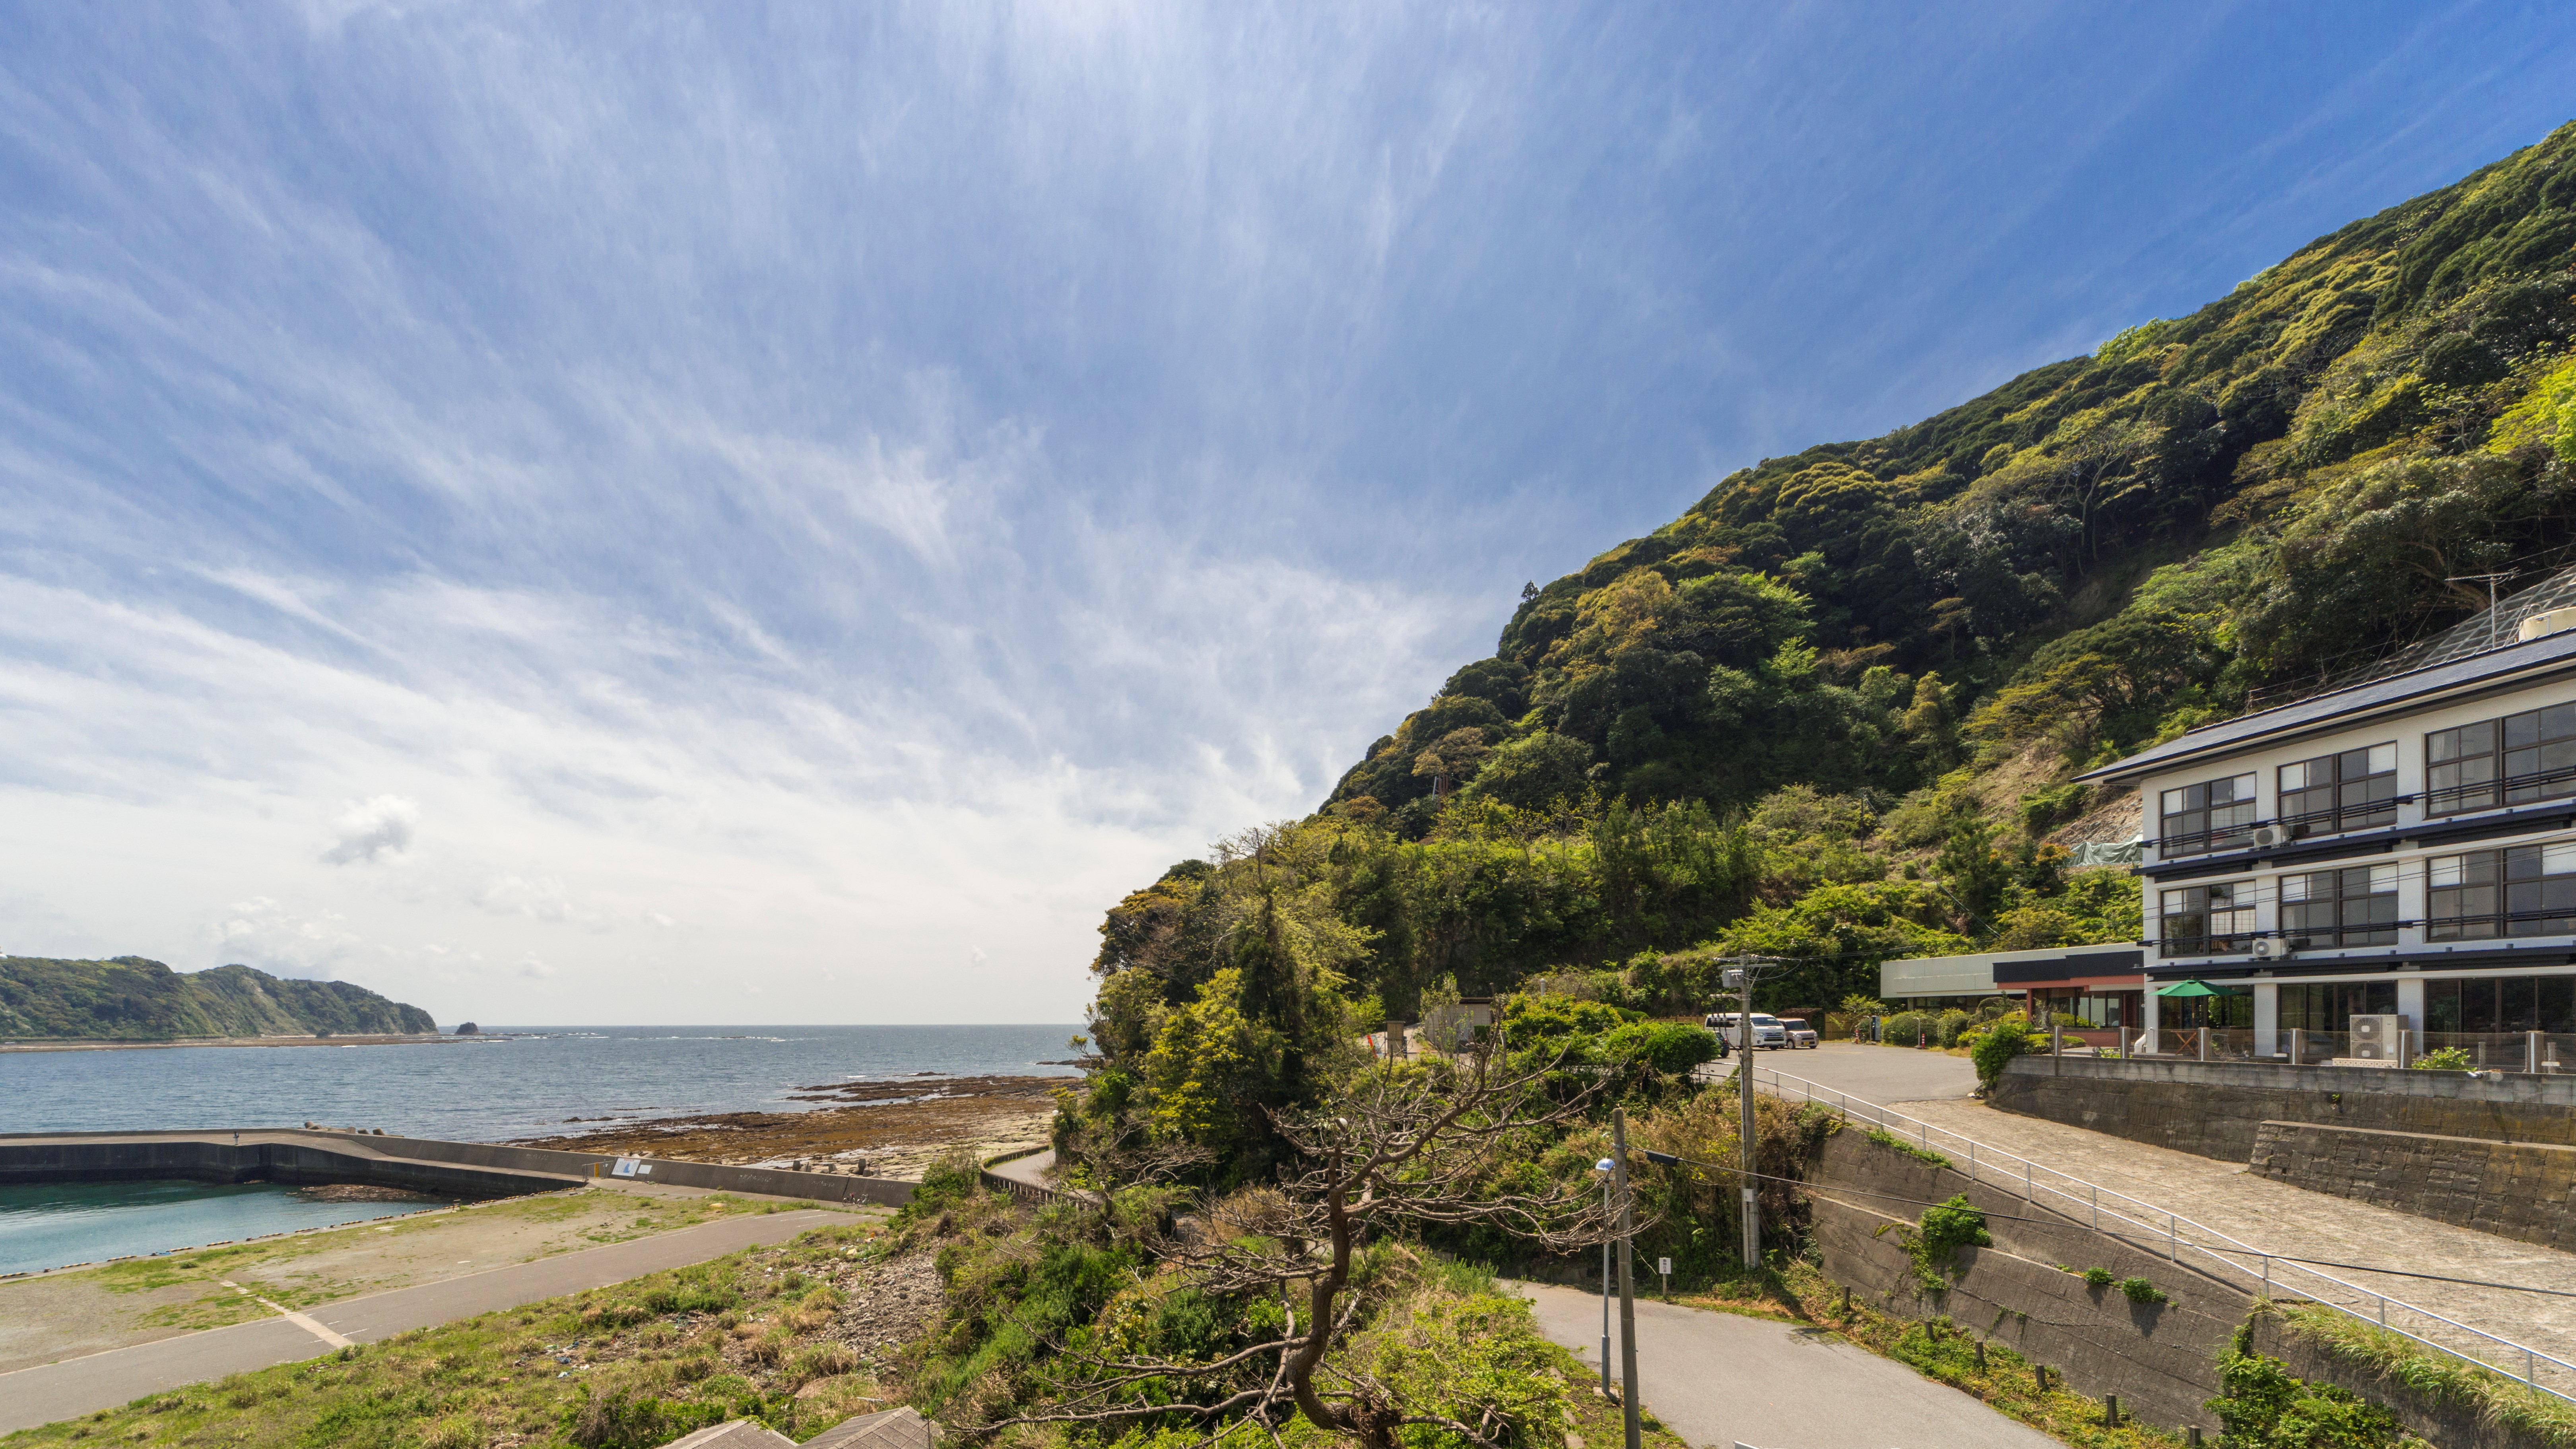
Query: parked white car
(1767, 1029)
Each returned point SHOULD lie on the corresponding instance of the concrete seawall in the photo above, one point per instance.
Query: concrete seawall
(2216, 1109)
(421, 1164)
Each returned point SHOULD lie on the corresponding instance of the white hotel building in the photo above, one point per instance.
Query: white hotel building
(2406, 844)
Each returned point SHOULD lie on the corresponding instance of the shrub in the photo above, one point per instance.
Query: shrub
(1670, 1047)
(2262, 1405)
(1952, 1023)
(2097, 1277)
(2139, 1290)
(2448, 1059)
(1907, 1028)
(1943, 1230)
(2006, 1040)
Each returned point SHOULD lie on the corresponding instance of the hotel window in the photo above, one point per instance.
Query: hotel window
(2215, 816)
(2525, 890)
(2521, 757)
(2351, 907)
(2500, 1004)
(2354, 790)
(2213, 920)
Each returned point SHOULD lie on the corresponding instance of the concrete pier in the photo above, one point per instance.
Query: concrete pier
(420, 1164)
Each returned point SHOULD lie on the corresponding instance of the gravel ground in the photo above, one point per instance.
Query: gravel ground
(890, 1304)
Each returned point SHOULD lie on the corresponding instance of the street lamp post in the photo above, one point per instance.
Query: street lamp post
(1604, 1167)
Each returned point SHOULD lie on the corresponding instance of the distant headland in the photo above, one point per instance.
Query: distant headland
(130, 999)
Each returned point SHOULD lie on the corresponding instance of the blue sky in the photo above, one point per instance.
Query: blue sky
(619, 513)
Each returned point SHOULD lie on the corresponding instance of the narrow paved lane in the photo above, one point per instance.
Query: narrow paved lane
(1721, 1379)
(101, 1380)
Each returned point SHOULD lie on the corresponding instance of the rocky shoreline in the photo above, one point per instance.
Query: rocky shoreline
(892, 1129)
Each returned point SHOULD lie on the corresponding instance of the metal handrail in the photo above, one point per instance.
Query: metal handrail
(2091, 1201)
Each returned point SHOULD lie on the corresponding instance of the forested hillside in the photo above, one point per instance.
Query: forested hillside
(131, 999)
(1830, 712)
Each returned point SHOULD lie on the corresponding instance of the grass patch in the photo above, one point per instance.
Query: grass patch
(2436, 1376)
(274, 1268)
(1919, 1153)
(605, 1369)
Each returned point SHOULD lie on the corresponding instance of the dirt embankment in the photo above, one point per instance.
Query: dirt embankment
(869, 1129)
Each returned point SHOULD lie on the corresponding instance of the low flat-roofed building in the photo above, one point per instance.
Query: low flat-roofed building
(2096, 988)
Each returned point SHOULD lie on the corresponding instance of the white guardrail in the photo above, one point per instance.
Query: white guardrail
(2144, 1225)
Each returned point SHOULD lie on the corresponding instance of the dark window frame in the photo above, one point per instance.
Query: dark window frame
(2518, 890)
(2328, 921)
(2512, 759)
(2338, 792)
(2197, 906)
(2197, 834)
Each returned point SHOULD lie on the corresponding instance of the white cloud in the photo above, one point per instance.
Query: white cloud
(377, 830)
(264, 933)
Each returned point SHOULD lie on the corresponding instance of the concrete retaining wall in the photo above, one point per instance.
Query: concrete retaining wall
(2214, 1109)
(423, 1164)
(2524, 1190)
(2161, 1359)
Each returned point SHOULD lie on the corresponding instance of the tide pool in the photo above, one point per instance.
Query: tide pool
(52, 1225)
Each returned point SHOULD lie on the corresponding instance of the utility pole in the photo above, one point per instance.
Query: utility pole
(1627, 1282)
(1740, 976)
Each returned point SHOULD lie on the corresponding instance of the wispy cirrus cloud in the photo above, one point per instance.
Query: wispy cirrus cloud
(574, 513)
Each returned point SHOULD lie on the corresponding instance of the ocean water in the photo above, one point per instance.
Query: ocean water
(53, 1225)
(513, 1082)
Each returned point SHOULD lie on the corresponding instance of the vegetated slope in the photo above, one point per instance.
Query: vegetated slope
(132, 999)
(1754, 727)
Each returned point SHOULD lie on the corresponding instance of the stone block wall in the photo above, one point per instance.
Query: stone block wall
(2215, 1109)
(2524, 1190)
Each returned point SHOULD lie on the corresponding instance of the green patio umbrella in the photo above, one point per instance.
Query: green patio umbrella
(2189, 988)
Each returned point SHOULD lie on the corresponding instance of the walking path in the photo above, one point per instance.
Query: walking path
(77, 1386)
(2273, 1216)
(1722, 1379)
(2295, 1222)
(1037, 1169)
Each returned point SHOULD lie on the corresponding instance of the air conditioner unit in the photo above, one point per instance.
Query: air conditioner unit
(2271, 948)
(2375, 1037)
(2267, 836)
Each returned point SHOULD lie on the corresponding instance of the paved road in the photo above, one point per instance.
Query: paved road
(102, 1380)
(1720, 1379)
(1877, 1073)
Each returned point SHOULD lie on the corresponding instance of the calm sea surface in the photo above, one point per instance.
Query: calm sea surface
(514, 1082)
(518, 1084)
(50, 1225)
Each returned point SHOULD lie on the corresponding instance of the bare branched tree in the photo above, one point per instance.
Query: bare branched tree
(1412, 1146)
